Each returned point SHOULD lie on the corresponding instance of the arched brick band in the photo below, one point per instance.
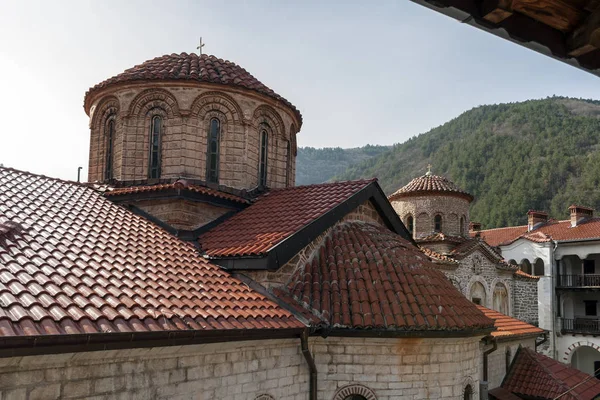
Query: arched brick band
(571, 349)
(264, 397)
(349, 390)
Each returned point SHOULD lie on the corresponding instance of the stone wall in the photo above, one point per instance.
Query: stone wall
(186, 110)
(497, 360)
(525, 299)
(182, 214)
(399, 368)
(423, 209)
(232, 371)
(365, 212)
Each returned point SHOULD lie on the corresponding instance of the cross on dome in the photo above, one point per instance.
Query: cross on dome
(200, 46)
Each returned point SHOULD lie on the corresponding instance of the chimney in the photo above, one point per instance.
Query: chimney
(475, 227)
(534, 218)
(580, 214)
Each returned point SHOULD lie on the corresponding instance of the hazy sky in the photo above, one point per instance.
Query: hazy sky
(359, 73)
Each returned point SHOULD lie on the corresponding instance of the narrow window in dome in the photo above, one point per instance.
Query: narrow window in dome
(288, 166)
(212, 154)
(410, 224)
(110, 137)
(462, 225)
(262, 167)
(437, 223)
(155, 137)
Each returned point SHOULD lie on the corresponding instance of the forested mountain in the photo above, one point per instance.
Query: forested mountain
(320, 165)
(538, 154)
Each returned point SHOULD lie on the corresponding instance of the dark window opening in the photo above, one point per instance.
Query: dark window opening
(154, 161)
(288, 166)
(589, 266)
(590, 308)
(468, 393)
(476, 300)
(110, 137)
(355, 397)
(212, 154)
(462, 225)
(597, 369)
(410, 224)
(437, 223)
(507, 360)
(262, 167)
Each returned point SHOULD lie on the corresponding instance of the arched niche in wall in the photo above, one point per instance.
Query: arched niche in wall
(477, 293)
(500, 301)
(526, 266)
(538, 267)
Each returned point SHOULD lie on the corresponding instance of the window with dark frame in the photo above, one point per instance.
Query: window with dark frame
(410, 224)
(212, 152)
(288, 166)
(462, 225)
(589, 267)
(110, 135)
(437, 223)
(155, 138)
(264, 149)
(476, 300)
(468, 393)
(590, 308)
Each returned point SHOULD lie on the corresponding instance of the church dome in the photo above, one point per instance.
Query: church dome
(189, 67)
(430, 184)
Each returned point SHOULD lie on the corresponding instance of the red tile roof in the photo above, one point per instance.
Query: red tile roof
(428, 184)
(552, 230)
(72, 262)
(526, 275)
(121, 191)
(190, 67)
(366, 277)
(509, 327)
(537, 376)
(275, 216)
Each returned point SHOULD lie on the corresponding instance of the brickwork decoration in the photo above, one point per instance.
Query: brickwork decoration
(566, 357)
(348, 390)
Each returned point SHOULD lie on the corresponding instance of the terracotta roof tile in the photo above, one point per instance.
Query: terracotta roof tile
(275, 216)
(552, 230)
(120, 191)
(190, 67)
(366, 277)
(428, 184)
(73, 262)
(509, 327)
(536, 376)
(526, 275)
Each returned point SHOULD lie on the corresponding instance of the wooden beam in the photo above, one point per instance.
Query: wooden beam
(559, 14)
(586, 37)
(496, 11)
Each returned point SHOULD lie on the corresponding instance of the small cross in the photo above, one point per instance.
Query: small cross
(428, 169)
(200, 46)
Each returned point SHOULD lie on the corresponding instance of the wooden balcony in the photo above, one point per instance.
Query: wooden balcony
(578, 281)
(581, 325)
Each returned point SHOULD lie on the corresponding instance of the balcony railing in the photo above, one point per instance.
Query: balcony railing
(580, 280)
(581, 325)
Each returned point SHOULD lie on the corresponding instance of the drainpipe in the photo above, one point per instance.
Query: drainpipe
(553, 306)
(311, 365)
(483, 386)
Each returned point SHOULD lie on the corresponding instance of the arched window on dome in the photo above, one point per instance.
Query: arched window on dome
(288, 166)
(263, 157)
(468, 395)
(110, 138)
(437, 223)
(410, 224)
(155, 147)
(212, 152)
(462, 225)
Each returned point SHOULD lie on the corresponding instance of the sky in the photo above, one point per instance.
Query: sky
(360, 72)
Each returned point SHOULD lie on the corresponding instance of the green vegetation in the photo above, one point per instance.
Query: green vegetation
(538, 154)
(320, 165)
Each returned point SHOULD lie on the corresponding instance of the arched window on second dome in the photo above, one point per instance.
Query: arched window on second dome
(262, 162)
(410, 224)
(155, 139)
(462, 225)
(437, 223)
(212, 152)
(110, 138)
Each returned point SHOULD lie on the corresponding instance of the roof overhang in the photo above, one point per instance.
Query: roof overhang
(568, 34)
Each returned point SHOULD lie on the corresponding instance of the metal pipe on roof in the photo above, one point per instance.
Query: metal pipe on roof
(311, 365)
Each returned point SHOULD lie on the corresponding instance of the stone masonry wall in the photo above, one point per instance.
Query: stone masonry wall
(182, 214)
(365, 212)
(186, 111)
(424, 209)
(232, 371)
(525, 299)
(497, 359)
(398, 368)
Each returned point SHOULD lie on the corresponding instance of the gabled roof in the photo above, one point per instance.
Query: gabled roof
(508, 328)
(365, 277)
(560, 231)
(536, 376)
(282, 221)
(430, 184)
(469, 246)
(72, 264)
(191, 68)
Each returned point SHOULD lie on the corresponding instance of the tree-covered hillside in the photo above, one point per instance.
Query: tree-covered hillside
(320, 165)
(538, 154)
